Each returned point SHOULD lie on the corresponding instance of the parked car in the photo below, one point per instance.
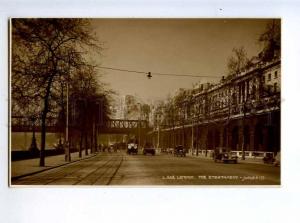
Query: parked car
(224, 156)
(149, 149)
(269, 158)
(58, 146)
(163, 150)
(277, 159)
(170, 150)
(179, 151)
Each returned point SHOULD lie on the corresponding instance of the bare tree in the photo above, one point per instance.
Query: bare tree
(44, 53)
(170, 118)
(238, 61)
(181, 103)
(93, 98)
(271, 41)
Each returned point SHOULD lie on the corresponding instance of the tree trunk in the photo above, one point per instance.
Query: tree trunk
(197, 140)
(92, 141)
(44, 116)
(43, 140)
(80, 146)
(96, 140)
(86, 144)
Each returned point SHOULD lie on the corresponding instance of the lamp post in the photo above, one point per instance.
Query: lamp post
(245, 104)
(67, 146)
(33, 147)
(97, 125)
(158, 131)
(139, 127)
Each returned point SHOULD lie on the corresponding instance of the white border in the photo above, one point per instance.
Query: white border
(161, 204)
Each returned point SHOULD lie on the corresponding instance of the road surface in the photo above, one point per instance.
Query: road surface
(122, 169)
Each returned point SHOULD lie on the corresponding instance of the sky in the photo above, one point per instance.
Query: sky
(176, 46)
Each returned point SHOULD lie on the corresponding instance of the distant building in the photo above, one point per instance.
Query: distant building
(156, 115)
(119, 108)
(129, 107)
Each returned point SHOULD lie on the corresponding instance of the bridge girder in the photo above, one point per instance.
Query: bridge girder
(113, 126)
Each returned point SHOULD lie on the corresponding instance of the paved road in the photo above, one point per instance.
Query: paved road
(122, 169)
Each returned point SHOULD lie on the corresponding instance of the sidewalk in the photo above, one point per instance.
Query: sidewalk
(247, 160)
(22, 168)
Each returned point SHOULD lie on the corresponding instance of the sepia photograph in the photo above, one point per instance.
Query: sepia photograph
(144, 102)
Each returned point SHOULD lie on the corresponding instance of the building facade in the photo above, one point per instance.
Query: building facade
(240, 113)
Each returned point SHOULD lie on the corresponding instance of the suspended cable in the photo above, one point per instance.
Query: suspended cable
(118, 69)
(155, 73)
(185, 75)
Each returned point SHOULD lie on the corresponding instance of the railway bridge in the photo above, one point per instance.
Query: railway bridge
(111, 126)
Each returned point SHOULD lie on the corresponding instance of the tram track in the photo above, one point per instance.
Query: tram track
(99, 172)
(79, 172)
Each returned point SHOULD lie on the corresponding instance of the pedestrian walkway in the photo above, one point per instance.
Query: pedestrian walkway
(247, 160)
(30, 166)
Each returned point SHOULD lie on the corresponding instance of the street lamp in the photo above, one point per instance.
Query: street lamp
(67, 146)
(97, 125)
(158, 131)
(33, 147)
(245, 108)
(139, 127)
(192, 143)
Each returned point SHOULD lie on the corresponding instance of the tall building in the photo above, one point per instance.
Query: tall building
(240, 113)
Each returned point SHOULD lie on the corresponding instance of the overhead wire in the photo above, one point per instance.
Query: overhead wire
(156, 73)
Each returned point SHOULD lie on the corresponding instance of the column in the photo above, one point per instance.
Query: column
(241, 137)
(221, 137)
(252, 137)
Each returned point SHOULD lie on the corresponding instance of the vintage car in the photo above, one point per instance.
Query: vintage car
(149, 149)
(221, 155)
(170, 150)
(277, 160)
(179, 151)
(269, 158)
(132, 148)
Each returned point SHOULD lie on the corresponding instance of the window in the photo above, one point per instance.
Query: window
(275, 75)
(269, 76)
(275, 87)
(269, 89)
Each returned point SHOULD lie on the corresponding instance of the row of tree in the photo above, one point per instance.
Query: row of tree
(49, 65)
